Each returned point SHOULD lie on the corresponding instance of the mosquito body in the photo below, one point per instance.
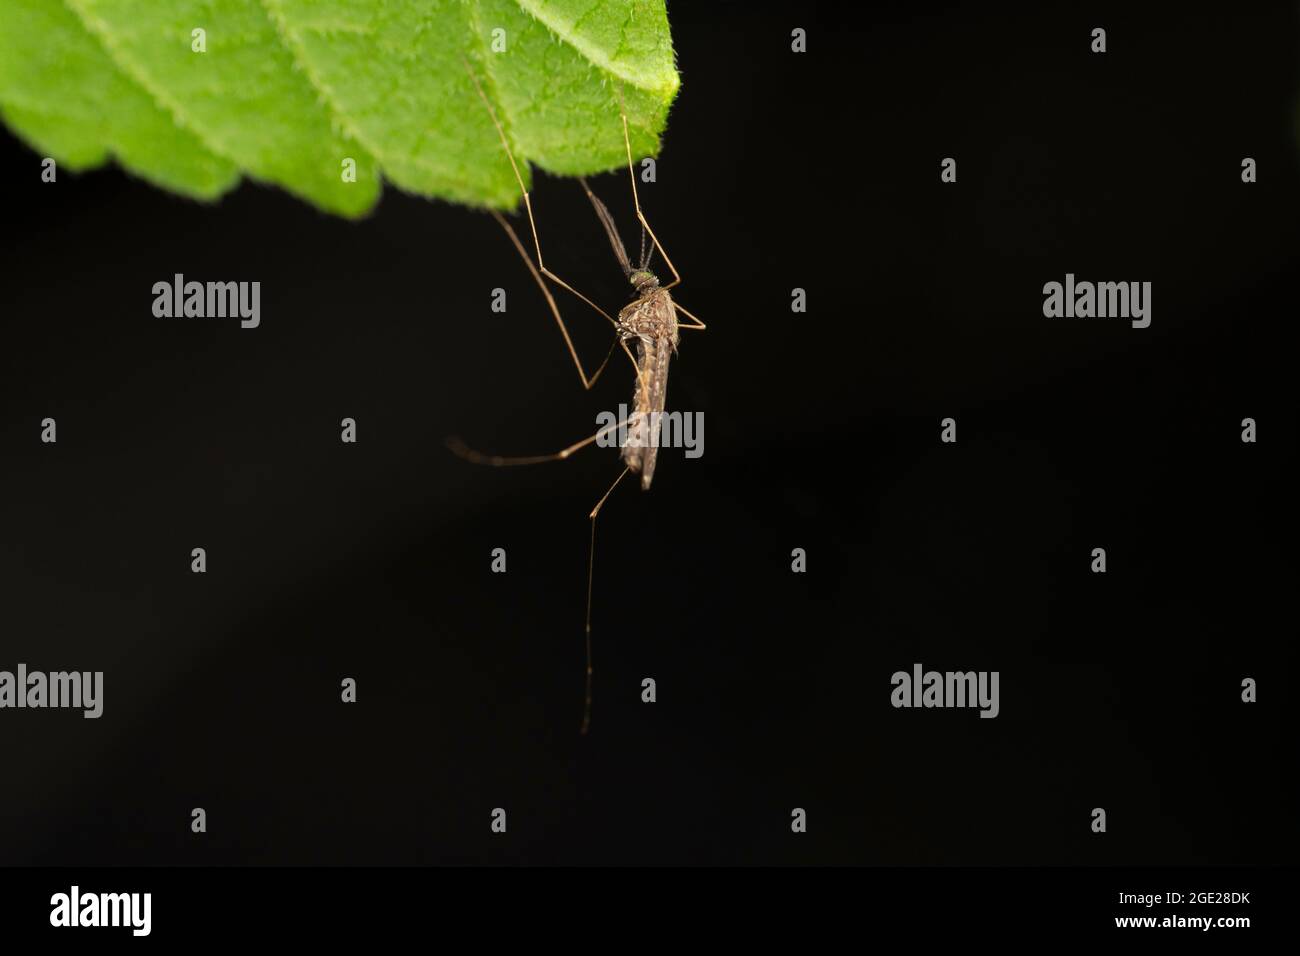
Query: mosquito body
(650, 320)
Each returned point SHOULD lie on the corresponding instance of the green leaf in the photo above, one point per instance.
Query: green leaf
(60, 91)
(287, 90)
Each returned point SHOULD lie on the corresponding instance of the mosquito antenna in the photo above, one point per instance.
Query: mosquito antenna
(645, 259)
(607, 221)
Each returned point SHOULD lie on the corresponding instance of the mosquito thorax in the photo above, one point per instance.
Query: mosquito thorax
(643, 281)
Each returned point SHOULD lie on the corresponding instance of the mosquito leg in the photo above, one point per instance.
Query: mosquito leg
(591, 573)
(460, 448)
(541, 266)
(698, 324)
(642, 375)
(635, 199)
(587, 382)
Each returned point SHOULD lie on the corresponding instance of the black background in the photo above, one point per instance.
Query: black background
(818, 171)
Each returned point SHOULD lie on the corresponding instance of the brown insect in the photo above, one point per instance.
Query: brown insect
(650, 319)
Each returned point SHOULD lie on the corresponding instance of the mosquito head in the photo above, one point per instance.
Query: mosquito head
(643, 281)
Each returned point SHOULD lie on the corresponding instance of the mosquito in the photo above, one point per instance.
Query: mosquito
(650, 320)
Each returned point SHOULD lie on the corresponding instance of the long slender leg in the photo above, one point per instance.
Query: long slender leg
(698, 324)
(635, 199)
(550, 300)
(591, 573)
(528, 206)
(478, 458)
(642, 375)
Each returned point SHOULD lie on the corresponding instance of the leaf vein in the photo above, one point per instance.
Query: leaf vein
(591, 53)
(99, 30)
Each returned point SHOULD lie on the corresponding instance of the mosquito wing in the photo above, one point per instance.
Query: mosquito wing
(654, 323)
